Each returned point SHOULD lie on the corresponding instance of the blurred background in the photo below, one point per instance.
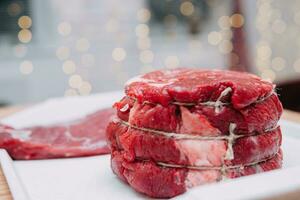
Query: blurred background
(55, 48)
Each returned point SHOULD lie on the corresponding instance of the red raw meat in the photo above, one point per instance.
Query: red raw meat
(196, 85)
(83, 137)
(138, 144)
(181, 128)
(164, 182)
(195, 119)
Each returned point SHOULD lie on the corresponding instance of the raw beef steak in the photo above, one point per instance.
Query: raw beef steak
(138, 144)
(180, 128)
(164, 182)
(257, 117)
(196, 85)
(84, 137)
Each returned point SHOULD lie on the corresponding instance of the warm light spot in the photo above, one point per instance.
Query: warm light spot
(144, 43)
(279, 26)
(75, 81)
(14, 9)
(119, 54)
(278, 63)
(71, 92)
(87, 60)
(297, 65)
(268, 75)
(187, 8)
(237, 20)
(263, 51)
(142, 30)
(143, 15)
(82, 44)
(69, 67)
(63, 53)
(20, 50)
(214, 38)
(261, 65)
(26, 67)
(146, 56)
(24, 22)
(25, 36)
(224, 22)
(225, 47)
(111, 26)
(64, 28)
(171, 62)
(226, 34)
(85, 88)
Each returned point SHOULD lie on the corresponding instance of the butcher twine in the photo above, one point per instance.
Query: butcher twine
(229, 154)
(218, 104)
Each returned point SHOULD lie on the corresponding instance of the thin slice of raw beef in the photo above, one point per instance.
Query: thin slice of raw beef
(84, 137)
(164, 182)
(257, 117)
(196, 85)
(138, 144)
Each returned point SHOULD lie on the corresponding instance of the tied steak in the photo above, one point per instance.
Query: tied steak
(196, 85)
(84, 137)
(164, 182)
(180, 128)
(138, 144)
(195, 119)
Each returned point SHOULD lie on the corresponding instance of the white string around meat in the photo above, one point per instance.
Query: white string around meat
(221, 168)
(183, 136)
(218, 104)
(229, 154)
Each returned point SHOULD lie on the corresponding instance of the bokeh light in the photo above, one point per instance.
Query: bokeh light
(69, 67)
(75, 81)
(171, 62)
(85, 88)
(278, 63)
(237, 20)
(143, 15)
(62, 53)
(25, 22)
(214, 38)
(225, 47)
(64, 28)
(146, 56)
(119, 54)
(26, 67)
(25, 36)
(82, 44)
(187, 8)
(224, 22)
(142, 30)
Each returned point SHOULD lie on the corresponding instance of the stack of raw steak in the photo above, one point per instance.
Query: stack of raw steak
(177, 129)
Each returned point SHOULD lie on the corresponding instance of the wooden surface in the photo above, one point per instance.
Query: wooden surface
(6, 195)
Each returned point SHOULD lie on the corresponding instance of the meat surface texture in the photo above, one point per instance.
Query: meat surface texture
(84, 137)
(192, 152)
(201, 119)
(157, 181)
(195, 85)
(177, 129)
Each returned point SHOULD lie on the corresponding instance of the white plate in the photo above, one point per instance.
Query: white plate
(91, 177)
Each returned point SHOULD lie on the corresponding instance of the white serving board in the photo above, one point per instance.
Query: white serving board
(91, 178)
